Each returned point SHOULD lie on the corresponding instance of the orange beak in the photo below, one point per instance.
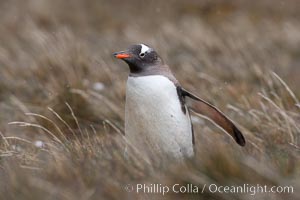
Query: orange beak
(122, 55)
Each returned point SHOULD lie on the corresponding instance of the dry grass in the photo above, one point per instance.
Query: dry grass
(60, 85)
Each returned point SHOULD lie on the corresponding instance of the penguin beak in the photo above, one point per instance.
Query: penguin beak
(122, 54)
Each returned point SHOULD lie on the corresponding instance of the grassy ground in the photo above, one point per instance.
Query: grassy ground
(62, 95)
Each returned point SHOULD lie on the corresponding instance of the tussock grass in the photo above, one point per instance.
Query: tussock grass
(62, 95)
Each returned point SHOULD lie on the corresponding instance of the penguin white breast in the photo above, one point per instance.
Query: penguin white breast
(154, 120)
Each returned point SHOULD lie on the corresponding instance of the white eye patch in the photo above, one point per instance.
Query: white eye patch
(144, 48)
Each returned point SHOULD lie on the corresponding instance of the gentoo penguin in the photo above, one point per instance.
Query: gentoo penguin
(157, 119)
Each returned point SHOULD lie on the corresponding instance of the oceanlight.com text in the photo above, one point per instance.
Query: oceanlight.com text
(157, 188)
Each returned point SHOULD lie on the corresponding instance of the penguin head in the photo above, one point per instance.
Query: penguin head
(139, 57)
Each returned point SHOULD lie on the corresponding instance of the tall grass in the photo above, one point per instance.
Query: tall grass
(62, 96)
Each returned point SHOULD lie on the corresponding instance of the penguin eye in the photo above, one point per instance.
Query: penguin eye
(142, 55)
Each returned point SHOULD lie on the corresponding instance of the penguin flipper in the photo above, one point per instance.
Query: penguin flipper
(214, 115)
